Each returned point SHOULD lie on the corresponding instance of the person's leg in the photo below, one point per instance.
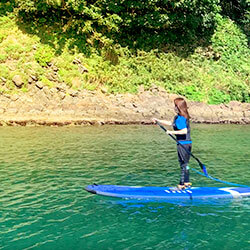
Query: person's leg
(186, 174)
(182, 164)
(183, 158)
(186, 160)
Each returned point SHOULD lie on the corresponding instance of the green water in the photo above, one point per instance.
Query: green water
(43, 204)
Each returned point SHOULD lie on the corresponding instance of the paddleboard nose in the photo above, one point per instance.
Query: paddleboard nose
(91, 188)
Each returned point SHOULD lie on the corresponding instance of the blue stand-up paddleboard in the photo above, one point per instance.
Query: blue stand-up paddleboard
(169, 193)
(172, 193)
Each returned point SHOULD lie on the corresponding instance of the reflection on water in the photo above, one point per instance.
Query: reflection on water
(43, 173)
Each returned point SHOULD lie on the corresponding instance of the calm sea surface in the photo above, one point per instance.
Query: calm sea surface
(43, 172)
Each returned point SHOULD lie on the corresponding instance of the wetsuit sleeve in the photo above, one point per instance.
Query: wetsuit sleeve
(181, 122)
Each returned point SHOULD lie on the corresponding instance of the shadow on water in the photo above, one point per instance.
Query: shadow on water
(155, 204)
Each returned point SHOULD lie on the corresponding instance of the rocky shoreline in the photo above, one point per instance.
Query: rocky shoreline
(60, 106)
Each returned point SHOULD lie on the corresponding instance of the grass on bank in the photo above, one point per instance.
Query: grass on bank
(214, 74)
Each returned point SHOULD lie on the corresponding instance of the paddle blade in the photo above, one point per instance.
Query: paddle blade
(204, 169)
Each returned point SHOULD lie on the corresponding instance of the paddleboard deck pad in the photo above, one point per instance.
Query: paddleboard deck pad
(167, 193)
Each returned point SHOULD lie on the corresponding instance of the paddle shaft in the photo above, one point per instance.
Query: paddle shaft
(200, 163)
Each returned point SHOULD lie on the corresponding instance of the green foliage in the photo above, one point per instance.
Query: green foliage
(116, 41)
(239, 90)
(47, 82)
(6, 6)
(144, 24)
(1, 37)
(197, 78)
(24, 89)
(217, 96)
(3, 58)
(237, 10)
(13, 50)
(44, 55)
(4, 71)
(156, 21)
(232, 44)
(192, 92)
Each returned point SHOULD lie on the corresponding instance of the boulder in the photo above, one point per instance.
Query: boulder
(18, 81)
(82, 69)
(4, 80)
(39, 85)
(73, 93)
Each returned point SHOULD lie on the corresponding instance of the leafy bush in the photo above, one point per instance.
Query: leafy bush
(44, 55)
(232, 44)
(4, 71)
(3, 58)
(217, 96)
(47, 82)
(237, 10)
(194, 93)
(144, 23)
(117, 40)
(6, 6)
(1, 37)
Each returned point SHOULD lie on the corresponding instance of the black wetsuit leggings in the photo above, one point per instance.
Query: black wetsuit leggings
(183, 158)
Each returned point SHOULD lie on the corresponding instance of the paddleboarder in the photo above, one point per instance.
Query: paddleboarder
(181, 130)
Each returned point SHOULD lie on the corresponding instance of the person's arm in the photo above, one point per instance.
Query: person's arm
(163, 122)
(177, 132)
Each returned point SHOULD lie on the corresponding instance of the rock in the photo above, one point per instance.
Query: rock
(62, 87)
(217, 56)
(235, 105)
(46, 92)
(18, 81)
(14, 97)
(77, 61)
(3, 79)
(82, 69)
(53, 91)
(52, 76)
(79, 107)
(61, 95)
(30, 80)
(141, 89)
(34, 78)
(154, 88)
(173, 96)
(76, 82)
(32, 90)
(104, 90)
(12, 110)
(73, 93)
(54, 68)
(161, 89)
(39, 85)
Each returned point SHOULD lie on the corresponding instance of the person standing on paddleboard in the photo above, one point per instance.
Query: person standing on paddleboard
(181, 130)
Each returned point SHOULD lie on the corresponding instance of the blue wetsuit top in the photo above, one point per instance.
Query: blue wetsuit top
(180, 122)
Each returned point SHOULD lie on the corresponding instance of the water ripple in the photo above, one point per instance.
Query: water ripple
(43, 204)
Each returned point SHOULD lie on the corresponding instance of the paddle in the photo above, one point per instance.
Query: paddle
(203, 167)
